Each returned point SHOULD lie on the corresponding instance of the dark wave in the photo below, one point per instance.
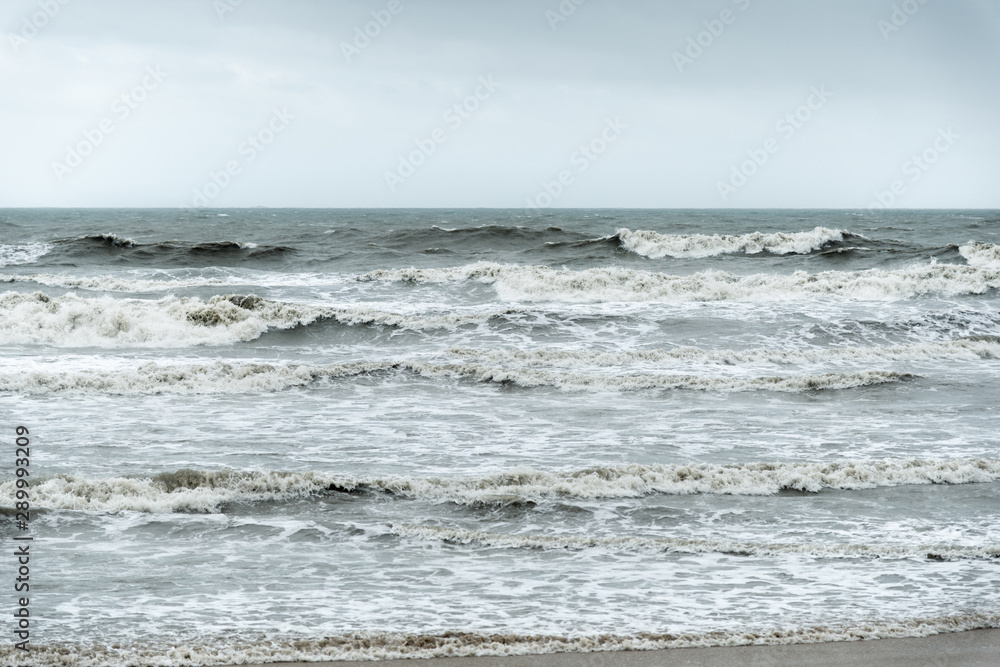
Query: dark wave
(116, 249)
(481, 238)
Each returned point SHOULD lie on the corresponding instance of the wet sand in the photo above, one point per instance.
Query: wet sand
(975, 648)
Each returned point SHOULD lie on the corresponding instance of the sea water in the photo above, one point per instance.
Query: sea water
(266, 434)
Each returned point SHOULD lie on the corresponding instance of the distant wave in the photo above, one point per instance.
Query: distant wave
(248, 377)
(982, 347)
(70, 320)
(110, 240)
(696, 546)
(527, 282)
(485, 233)
(210, 491)
(655, 246)
(101, 246)
(23, 254)
(541, 283)
(115, 241)
(389, 645)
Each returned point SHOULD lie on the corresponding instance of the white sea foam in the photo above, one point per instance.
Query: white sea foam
(655, 246)
(541, 283)
(221, 377)
(22, 254)
(70, 320)
(389, 645)
(182, 491)
(119, 283)
(218, 377)
(209, 491)
(960, 349)
(986, 255)
(633, 481)
(696, 546)
(589, 382)
(135, 284)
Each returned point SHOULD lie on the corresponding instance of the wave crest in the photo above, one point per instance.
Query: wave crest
(209, 491)
(396, 645)
(985, 255)
(221, 377)
(72, 321)
(655, 246)
(696, 546)
(963, 348)
(540, 283)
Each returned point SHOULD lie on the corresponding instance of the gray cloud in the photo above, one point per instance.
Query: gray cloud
(353, 121)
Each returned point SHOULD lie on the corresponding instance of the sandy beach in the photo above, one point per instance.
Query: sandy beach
(975, 648)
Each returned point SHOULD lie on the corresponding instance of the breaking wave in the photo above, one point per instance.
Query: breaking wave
(210, 491)
(985, 255)
(70, 320)
(655, 246)
(696, 546)
(221, 377)
(396, 645)
(970, 348)
(541, 283)
(113, 283)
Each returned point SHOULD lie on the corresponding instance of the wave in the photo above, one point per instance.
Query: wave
(221, 377)
(491, 234)
(23, 254)
(217, 377)
(655, 246)
(969, 348)
(527, 282)
(110, 240)
(541, 283)
(112, 246)
(526, 485)
(374, 645)
(986, 255)
(69, 320)
(696, 546)
(132, 284)
(210, 491)
(115, 241)
(111, 283)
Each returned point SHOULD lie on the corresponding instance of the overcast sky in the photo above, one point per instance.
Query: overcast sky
(630, 103)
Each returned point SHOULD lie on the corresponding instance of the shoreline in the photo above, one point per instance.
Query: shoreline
(969, 648)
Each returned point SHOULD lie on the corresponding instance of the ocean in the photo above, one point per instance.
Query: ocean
(276, 434)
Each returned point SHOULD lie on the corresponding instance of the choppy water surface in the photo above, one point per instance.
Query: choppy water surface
(302, 434)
